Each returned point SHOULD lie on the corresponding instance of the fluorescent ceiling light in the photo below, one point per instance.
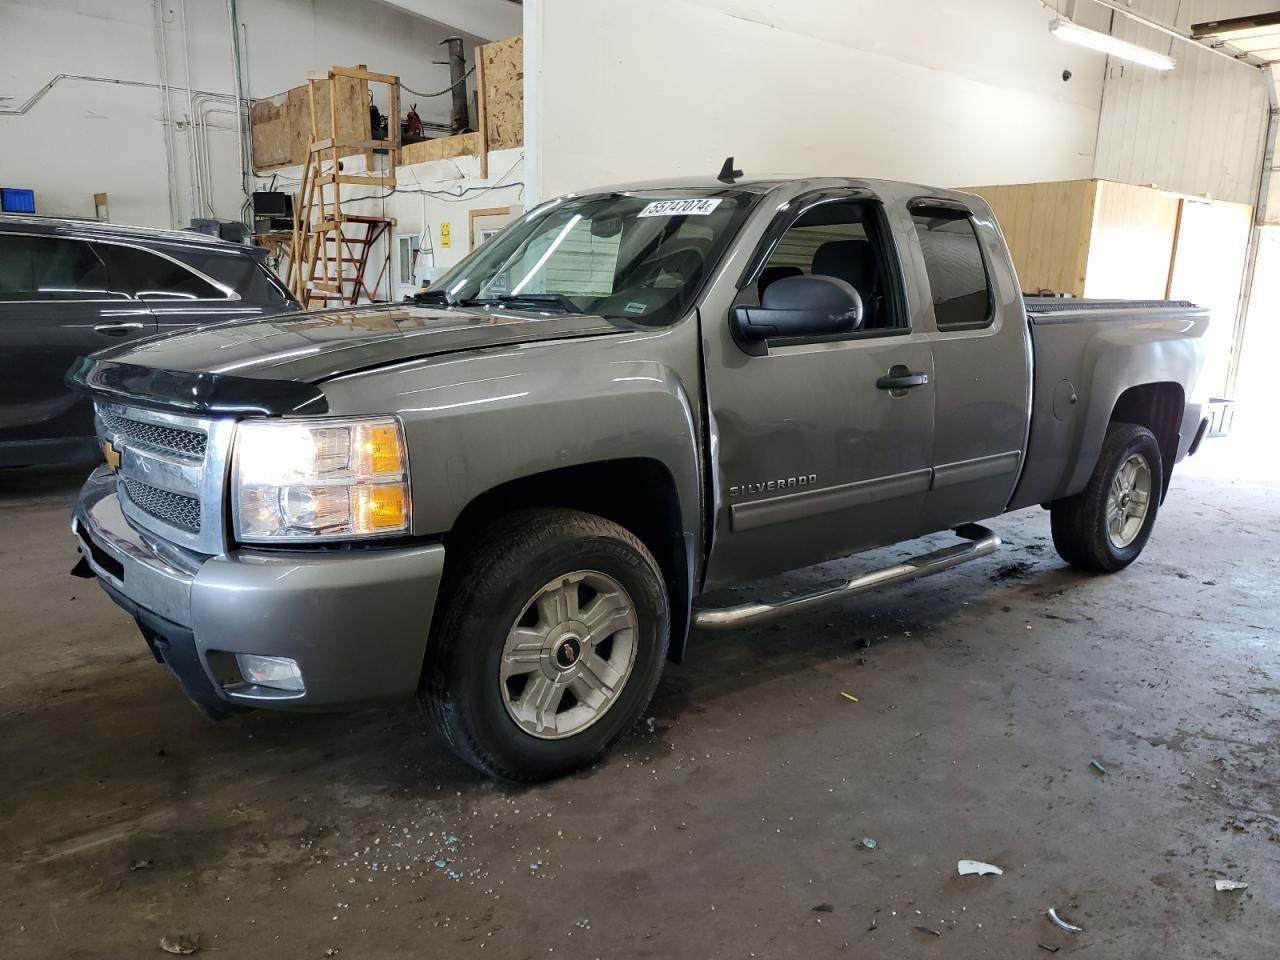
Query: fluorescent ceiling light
(1066, 30)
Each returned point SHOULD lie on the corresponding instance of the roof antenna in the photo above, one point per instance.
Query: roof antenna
(727, 173)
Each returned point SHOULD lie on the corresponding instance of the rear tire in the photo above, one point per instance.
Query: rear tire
(550, 646)
(1105, 527)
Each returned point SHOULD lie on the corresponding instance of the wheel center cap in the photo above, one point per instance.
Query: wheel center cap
(1124, 500)
(568, 651)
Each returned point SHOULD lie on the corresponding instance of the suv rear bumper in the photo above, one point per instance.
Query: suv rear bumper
(356, 621)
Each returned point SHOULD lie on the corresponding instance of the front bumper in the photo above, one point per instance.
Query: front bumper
(356, 621)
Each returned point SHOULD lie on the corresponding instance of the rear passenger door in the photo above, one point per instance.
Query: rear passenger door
(178, 295)
(981, 361)
(56, 305)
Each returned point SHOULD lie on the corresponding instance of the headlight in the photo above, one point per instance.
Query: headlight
(320, 479)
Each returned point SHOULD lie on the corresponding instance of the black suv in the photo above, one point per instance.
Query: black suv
(68, 288)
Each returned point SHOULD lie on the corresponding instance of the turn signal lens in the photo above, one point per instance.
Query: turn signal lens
(320, 479)
(379, 447)
(380, 507)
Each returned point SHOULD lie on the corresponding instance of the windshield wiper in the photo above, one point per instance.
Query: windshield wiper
(559, 299)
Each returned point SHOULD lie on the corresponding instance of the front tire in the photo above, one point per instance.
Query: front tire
(1105, 527)
(550, 646)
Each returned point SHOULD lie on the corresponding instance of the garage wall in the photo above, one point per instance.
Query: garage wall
(1197, 129)
(86, 137)
(945, 93)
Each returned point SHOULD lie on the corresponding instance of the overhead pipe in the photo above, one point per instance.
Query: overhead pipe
(246, 157)
(459, 118)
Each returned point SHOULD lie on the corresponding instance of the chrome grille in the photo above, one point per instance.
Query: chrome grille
(171, 472)
(172, 508)
(189, 444)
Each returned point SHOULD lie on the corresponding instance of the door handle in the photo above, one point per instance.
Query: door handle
(900, 378)
(118, 328)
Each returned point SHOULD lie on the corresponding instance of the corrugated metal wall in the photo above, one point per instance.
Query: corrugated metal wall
(1197, 129)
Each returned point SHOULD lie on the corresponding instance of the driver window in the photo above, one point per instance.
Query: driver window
(841, 240)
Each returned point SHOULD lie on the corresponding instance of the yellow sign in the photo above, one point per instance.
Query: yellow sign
(446, 235)
(111, 455)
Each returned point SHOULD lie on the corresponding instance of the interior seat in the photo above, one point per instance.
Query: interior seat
(854, 262)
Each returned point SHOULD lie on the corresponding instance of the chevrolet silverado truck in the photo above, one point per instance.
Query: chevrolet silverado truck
(506, 497)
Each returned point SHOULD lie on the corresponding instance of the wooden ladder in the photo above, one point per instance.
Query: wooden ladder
(329, 249)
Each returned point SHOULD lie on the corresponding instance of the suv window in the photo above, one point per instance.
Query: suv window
(141, 273)
(49, 268)
(953, 262)
(841, 239)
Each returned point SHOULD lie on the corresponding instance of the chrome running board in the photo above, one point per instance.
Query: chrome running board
(982, 543)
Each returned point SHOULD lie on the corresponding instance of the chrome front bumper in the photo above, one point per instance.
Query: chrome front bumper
(356, 621)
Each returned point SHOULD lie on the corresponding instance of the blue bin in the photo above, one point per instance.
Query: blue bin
(16, 200)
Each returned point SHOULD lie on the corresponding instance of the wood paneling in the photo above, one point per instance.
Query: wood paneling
(503, 93)
(1131, 246)
(281, 125)
(1047, 227)
(442, 148)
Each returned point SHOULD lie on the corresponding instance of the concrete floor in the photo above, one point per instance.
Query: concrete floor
(720, 827)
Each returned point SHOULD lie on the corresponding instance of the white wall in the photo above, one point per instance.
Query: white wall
(1196, 129)
(427, 195)
(946, 93)
(88, 137)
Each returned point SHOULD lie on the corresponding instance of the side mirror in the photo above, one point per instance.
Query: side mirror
(809, 306)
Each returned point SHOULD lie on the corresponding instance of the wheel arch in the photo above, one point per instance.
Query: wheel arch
(1158, 407)
(653, 514)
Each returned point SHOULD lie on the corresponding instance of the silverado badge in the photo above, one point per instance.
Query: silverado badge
(112, 456)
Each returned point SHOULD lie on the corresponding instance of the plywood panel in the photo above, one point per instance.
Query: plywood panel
(281, 126)
(1208, 267)
(1047, 228)
(503, 92)
(1131, 244)
(442, 148)
(270, 128)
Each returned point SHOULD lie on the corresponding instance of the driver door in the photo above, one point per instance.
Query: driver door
(817, 457)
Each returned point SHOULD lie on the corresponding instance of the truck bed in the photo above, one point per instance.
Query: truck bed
(1086, 356)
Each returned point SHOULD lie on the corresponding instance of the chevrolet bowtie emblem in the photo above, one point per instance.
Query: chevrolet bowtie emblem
(112, 456)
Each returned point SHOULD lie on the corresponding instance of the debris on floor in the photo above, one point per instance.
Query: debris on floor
(848, 696)
(1223, 886)
(1063, 924)
(183, 943)
(823, 908)
(869, 843)
(929, 930)
(140, 864)
(1017, 570)
(1048, 946)
(977, 868)
(1099, 767)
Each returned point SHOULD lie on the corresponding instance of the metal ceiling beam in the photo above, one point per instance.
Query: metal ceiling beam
(1213, 28)
(485, 19)
(1176, 34)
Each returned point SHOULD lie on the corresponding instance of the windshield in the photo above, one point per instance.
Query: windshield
(639, 255)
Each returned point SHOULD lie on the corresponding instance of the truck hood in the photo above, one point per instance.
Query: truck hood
(272, 365)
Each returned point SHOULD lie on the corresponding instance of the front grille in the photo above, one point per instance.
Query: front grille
(187, 444)
(171, 508)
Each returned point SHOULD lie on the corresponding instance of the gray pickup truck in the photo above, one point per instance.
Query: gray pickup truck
(506, 497)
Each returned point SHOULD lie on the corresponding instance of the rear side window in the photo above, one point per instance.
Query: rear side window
(143, 274)
(242, 272)
(49, 268)
(957, 275)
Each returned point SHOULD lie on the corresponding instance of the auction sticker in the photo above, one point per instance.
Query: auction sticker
(680, 208)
